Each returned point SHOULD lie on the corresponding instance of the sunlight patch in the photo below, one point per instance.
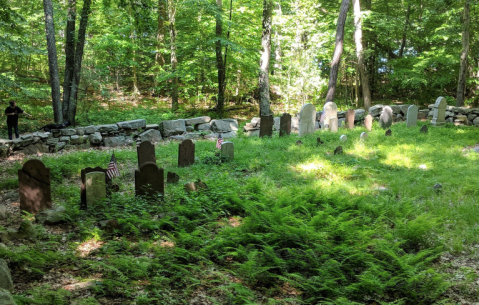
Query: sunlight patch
(85, 248)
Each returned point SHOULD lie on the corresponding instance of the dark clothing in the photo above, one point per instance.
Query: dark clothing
(15, 127)
(13, 119)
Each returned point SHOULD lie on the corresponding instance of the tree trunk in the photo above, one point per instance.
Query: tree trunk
(358, 37)
(72, 104)
(174, 62)
(264, 98)
(52, 61)
(338, 50)
(461, 85)
(219, 58)
(69, 56)
(278, 64)
(403, 43)
(160, 34)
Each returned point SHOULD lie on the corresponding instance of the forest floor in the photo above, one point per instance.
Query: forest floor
(280, 224)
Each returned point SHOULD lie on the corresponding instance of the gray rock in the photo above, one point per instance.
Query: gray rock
(5, 276)
(203, 127)
(404, 109)
(396, 109)
(228, 135)
(341, 114)
(65, 139)
(195, 121)
(6, 298)
(56, 133)
(374, 110)
(17, 143)
(475, 111)
(437, 186)
(59, 146)
(90, 129)
(106, 128)
(253, 133)
(422, 114)
(462, 110)
(450, 120)
(192, 135)
(151, 135)
(36, 149)
(471, 117)
(85, 138)
(114, 141)
(190, 129)
(177, 137)
(42, 135)
(449, 114)
(95, 138)
(135, 124)
(256, 122)
(76, 139)
(27, 137)
(152, 126)
(53, 216)
(430, 114)
(80, 131)
(68, 132)
(52, 141)
(225, 125)
(430, 106)
(173, 127)
(359, 115)
(476, 121)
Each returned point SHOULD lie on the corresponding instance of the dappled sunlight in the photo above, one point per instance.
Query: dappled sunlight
(87, 247)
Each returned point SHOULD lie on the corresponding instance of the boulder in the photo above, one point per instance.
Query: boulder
(76, 139)
(106, 128)
(36, 149)
(375, 110)
(190, 129)
(52, 141)
(404, 109)
(151, 135)
(449, 113)
(53, 216)
(17, 143)
(5, 277)
(80, 131)
(462, 110)
(68, 132)
(65, 139)
(203, 127)
(396, 109)
(173, 127)
(359, 115)
(195, 121)
(95, 138)
(42, 135)
(6, 298)
(114, 141)
(27, 137)
(59, 146)
(341, 114)
(225, 125)
(471, 117)
(152, 126)
(430, 114)
(476, 121)
(90, 129)
(256, 122)
(135, 124)
(422, 114)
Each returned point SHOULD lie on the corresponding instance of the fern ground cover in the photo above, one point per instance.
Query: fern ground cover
(281, 224)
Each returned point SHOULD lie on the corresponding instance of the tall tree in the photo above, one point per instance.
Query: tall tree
(264, 98)
(160, 33)
(69, 55)
(174, 62)
(220, 64)
(52, 61)
(358, 37)
(461, 84)
(338, 50)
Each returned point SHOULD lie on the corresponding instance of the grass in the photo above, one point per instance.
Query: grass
(281, 224)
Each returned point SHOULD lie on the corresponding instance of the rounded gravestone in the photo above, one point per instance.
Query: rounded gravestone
(307, 118)
(363, 136)
(343, 138)
(439, 112)
(386, 117)
(330, 111)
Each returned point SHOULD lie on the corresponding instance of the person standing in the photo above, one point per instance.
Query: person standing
(12, 113)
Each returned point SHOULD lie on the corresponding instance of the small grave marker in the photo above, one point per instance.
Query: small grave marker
(83, 202)
(149, 180)
(95, 187)
(412, 112)
(266, 126)
(285, 125)
(228, 150)
(34, 187)
(388, 133)
(338, 150)
(333, 124)
(172, 177)
(343, 138)
(363, 136)
(186, 153)
(368, 122)
(424, 129)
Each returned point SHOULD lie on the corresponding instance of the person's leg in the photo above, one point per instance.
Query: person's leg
(10, 127)
(17, 134)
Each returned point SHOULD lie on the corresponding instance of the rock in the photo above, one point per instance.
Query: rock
(65, 139)
(36, 149)
(4, 151)
(42, 135)
(151, 135)
(422, 114)
(476, 121)
(135, 124)
(396, 109)
(359, 115)
(95, 138)
(56, 133)
(203, 127)
(374, 110)
(225, 125)
(172, 177)
(388, 133)
(178, 138)
(424, 129)
(299, 142)
(5, 277)
(192, 135)
(52, 141)
(106, 128)
(449, 114)
(90, 129)
(228, 135)
(190, 129)
(256, 122)
(59, 146)
(430, 114)
(471, 117)
(195, 186)
(76, 139)
(253, 133)
(152, 126)
(17, 143)
(114, 141)
(341, 114)
(6, 298)
(54, 216)
(67, 132)
(80, 131)
(172, 127)
(11, 196)
(404, 109)
(27, 137)
(437, 186)
(196, 121)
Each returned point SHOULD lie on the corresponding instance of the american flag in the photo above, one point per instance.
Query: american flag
(219, 141)
(112, 170)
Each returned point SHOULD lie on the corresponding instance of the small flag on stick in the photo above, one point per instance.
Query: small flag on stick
(219, 141)
(112, 170)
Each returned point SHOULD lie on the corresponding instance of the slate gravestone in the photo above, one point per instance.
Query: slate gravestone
(285, 125)
(388, 133)
(330, 110)
(338, 150)
(307, 118)
(439, 116)
(34, 187)
(368, 122)
(95, 187)
(146, 153)
(343, 138)
(363, 136)
(412, 113)
(83, 204)
(172, 178)
(386, 117)
(266, 126)
(423, 129)
(186, 153)
(228, 150)
(333, 127)
(350, 118)
(149, 180)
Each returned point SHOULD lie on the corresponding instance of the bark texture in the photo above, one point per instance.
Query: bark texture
(264, 98)
(461, 84)
(69, 55)
(219, 58)
(160, 34)
(174, 62)
(358, 37)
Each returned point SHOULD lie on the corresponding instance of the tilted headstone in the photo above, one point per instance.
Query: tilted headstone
(386, 117)
(388, 133)
(424, 129)
(330, 110)
(34, 187)
(83, 204)
(439, 115)
(350, 118)
(95, 187)
(368, 122)
(285, 125)
(172, 177)
(333, 124)
(363, 136)
(186, 153)
(146, 153)
(412, 113)
(307, 118)
(343, 138)
(228, 150)
(149, 180)
(266, 126)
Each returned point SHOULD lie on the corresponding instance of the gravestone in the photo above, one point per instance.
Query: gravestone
(439, 115)
(266, 126)
(330, 110)
(424, 129)
(95, 187)
(350, 118)
(34, 187)
(333, 127)
(172, 177)
(338, 150)
(343, 138)
(285, 125)
(318, 141)
(368, 122)
(412, 113)
(186, 153)
(363, 136)
(149, 180)
(307, 118)
(299, 142)
(228, 150)
(146, 153)
(83, 204)
(388, 133)
(386, 117)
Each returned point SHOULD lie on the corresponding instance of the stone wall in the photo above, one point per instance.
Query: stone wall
(119, 134)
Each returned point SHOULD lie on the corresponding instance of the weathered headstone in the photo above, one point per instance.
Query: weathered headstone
(307, 118)
(186, 153)
(95, 187)
(439, 115)
(172, 177)
(34, 187)
(330, 110)
(149, 180)
(412, 113)
(343, 138)
(333, 124)
(228, 150)
(350, 118)
(386, 117)
(363, 136)
(83, 204)
(388, 133)
(338, 150)
(285, 125)
(424, 129)
(368, 122)
(146, 153)
(266, 126)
